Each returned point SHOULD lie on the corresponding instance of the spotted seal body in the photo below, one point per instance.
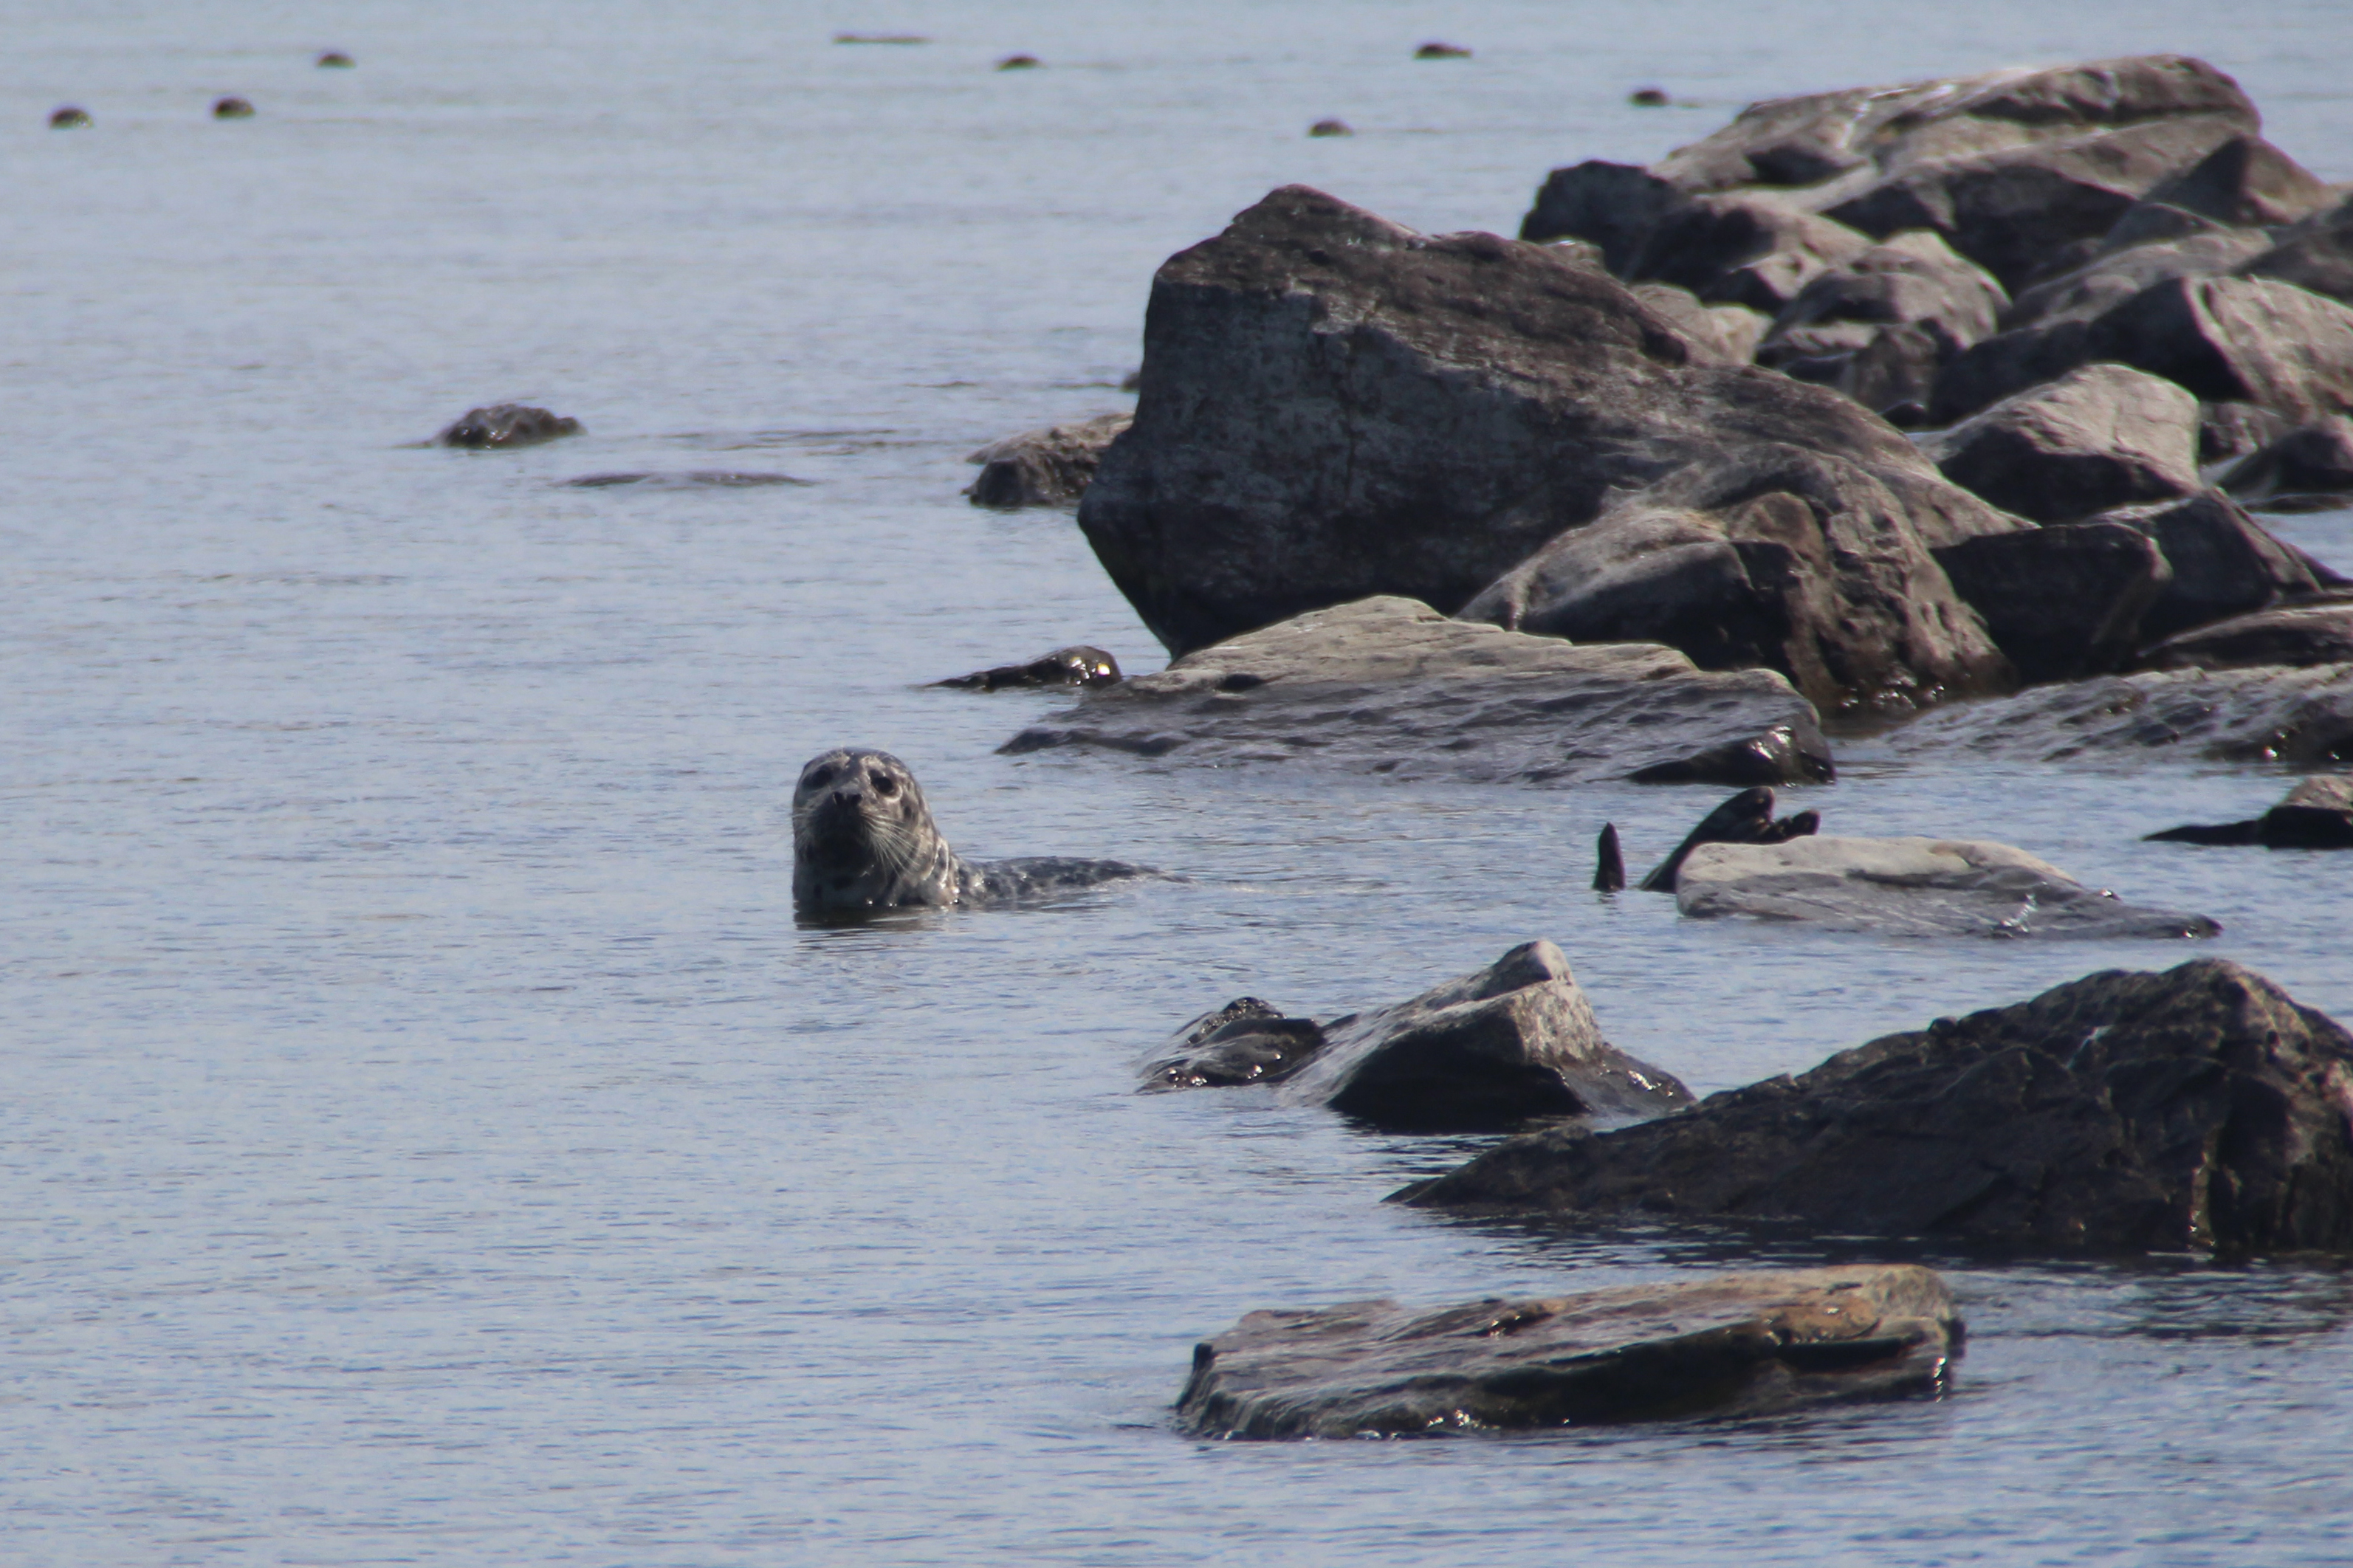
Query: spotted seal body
(863, 839)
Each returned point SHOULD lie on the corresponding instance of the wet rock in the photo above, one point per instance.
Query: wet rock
(2226, 430)
(2199, 1110)
(1049, 467)
(1076, 666)
(2308, 468)
(2317, 815)
(1727, 1345)
(2099, 438)
(1330, 128)
(2300, 717)
(1335, 406)
(232, 108)
(1387, 686)
(2061, 603)
(1914, 888)
(1441, 52)
(1746, 818)
(1245, 1041)
(68, 118)
(2224, 562)
(1743, 250)
(505, 425)
(1774, 557)
(2296, 635)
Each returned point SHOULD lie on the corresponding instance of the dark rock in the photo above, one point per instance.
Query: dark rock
(1895, 373)
(1074, 666)
(2113, 276)
(1743, 250)
(2295, 635)
(2224, 562)
(504, 425)
(2270, 715)
(2007, 364)
(1746, 818)
(2245, 182)
(1330, 128)
(2237, 340)
(68, 118)
(1779, 557)
(2061, 603)
(1050, 466)
(1914, 888)
(1913, 279)
(1020, 63)
(335, 60)
(1727, 334)
(1728, 1345)
(2101, 437)
(1614, 205)
(1391, 687)
(2317, 815)
(1648, 98)
(232, 108)
(2316, 255)
(1245, 1041)
(2226, 430)
(2200, 1109)
(1608, 863)
(2313, 465)
(1441, 52)
(1335, 406)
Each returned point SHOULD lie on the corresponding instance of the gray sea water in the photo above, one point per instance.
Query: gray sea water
(426, 1135)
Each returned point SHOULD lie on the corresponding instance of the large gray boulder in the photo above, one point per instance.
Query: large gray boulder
(1914, 888)
(1047, 466)
(1488, 1051)
(1391, 687)
(2266, 716)
(2101, 437)
(1333, 407)
(1730, 1344)
(2201, 1109)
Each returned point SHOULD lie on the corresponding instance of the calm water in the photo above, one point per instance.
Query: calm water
(424, 1135)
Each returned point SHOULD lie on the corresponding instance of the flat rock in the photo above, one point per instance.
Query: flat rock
(2304, 635)
(2317, 815)
(1047, 466)
(2301, 716)
(1727, 1345)
(2061, 603)
(1388, 686)
(2199, 1110)
(1912, 887)
(2101, 437)
(1488, 1051)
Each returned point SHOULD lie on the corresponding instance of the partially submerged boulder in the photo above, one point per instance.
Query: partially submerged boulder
(2308, 633)
(1513, 1042)
(1914, 888)
(2101, 437)
(1391, 687)
(1079, 665)
(2317, 815)
(505, 425)
(2197, 1109)
(2268, 715)
(1047, 466)
(1727, 1345)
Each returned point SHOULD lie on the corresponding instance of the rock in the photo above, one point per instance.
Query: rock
(1648, 98)
(2008, 363)
(2061, 603)
(503, 424)
(1050, 466)
(2226, 430)
(1020, 63)
(1387, 686)
(1913, 280)
(2247, 183)
(1333, 407)
(1742, 249)
(68, 118)
(1726, 334)
(1913, 887)
(2311, 468)
(2303, 717)
(232, 108)
(1725, 1345)
(2099, 438)
(1614, 205)
(335, 60)
(2238, 340)
(1441, 52)
(1746, 818)
(1484, 1052)
(1779, 557)
(2200, 1109)
(1076, 666)
(1330, 128)
(2295, 635)
(2224, 562)
(1895, 373)
(2317, 815)
(2113, 276)
(2316, 255)
(1608, 862)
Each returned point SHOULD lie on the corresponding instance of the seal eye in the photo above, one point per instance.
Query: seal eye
(816, 779)
(885, 785)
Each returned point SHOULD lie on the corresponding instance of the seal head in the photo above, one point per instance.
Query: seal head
(863, 839)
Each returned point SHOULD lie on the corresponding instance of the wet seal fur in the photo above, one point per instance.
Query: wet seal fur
(863, 839)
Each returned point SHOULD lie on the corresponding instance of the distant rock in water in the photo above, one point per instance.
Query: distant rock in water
(1323, 128)
(336, 60)
(1746, 818)
(1485, 1052)
(1648, 98)
(1914, 888)
(232, 108)
(1049, 467)
(2317, 815)
(691, 479)
(68, 118)
(1075, 666)
(1435, 51)
(1724, 1345)
(2201, 1109)
(881, 38)
(503, 424)
(1020, 63)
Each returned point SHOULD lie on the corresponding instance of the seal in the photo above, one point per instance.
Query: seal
(863, 839)
(1746, 818)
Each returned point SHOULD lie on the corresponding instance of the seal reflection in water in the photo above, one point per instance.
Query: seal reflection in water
(863, 839)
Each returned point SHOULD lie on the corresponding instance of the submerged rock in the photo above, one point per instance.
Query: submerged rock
(1079, 665)
(1047, 466)
(1387, 686)
(2317, 815)
(503, 424)
(1913, 887)
(2197, 1109)
(1727, 1345)
(1746, 818)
